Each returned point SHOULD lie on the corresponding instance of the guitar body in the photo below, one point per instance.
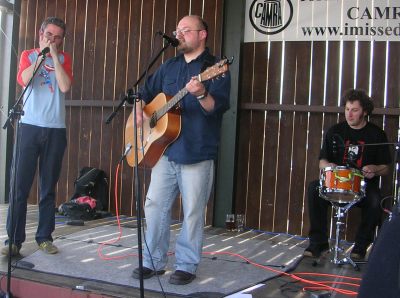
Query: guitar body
(154, 141)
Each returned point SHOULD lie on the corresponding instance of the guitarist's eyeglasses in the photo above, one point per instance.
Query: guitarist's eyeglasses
(184, 31)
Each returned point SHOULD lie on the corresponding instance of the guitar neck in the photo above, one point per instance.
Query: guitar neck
(218, 69)
(171, 103)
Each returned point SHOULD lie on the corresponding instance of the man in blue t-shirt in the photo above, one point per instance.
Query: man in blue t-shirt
(187, 165)
(41, 135)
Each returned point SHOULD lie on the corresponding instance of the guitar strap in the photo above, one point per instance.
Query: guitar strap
(209, 60)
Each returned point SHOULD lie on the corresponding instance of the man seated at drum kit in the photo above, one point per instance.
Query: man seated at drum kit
(350, 155)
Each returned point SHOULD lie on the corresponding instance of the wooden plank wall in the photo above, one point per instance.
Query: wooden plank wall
(110, 42)
(289, 97)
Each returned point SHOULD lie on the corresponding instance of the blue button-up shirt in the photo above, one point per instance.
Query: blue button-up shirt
(200, 130)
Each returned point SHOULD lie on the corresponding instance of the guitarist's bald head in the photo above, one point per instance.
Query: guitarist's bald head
(192, 33)
(201, 24)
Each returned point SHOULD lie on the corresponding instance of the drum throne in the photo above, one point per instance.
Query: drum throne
(342, 187)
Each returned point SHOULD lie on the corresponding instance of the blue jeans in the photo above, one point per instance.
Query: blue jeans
(45, 146)
(194, 182)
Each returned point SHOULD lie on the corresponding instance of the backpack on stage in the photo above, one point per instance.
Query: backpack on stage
(77, 211)
(92, 182)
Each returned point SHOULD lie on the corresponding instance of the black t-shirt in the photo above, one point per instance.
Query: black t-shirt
(350, 147)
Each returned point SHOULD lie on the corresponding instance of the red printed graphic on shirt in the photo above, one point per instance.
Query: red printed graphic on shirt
(353, 153)
(45, 74)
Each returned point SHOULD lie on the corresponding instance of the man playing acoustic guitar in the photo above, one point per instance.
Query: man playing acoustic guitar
(187, 165)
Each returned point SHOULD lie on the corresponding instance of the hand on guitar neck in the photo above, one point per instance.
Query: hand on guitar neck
(196, 88)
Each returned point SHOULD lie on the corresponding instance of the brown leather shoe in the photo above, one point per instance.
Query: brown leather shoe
(180, 277)
(147, 273)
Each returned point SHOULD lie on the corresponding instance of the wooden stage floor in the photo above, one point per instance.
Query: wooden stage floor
(281, 286)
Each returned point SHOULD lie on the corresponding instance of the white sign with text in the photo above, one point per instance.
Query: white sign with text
(305, 20)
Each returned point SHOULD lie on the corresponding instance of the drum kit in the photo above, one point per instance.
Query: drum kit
(343, 187)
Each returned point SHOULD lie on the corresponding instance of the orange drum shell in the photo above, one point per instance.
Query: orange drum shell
(350, 189)
(333, 182)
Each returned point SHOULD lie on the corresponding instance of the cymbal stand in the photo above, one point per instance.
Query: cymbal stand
(340, 211)
(396, 173)
(396, 181)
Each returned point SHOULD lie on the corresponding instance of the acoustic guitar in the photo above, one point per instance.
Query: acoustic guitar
(161, 122)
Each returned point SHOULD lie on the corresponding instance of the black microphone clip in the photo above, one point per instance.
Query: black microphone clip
(171, 40)
(131, 96)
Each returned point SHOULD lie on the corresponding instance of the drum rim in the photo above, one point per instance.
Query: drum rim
(331, 168)
(323, 191)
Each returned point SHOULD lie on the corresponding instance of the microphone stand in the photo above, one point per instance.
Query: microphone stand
(396, 169)
(14, 115)
(131, 97)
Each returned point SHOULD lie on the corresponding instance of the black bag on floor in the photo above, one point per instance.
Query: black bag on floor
(75, 210)
(92, 182)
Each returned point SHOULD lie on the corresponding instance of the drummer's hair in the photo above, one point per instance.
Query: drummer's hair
(360, 95)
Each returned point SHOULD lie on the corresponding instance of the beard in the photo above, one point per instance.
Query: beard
(183, 48)
(356, 121)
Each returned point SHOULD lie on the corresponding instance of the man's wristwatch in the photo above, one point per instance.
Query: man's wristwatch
(204, 95)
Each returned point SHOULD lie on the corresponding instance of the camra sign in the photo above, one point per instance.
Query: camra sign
(270, 16)
(305, 20)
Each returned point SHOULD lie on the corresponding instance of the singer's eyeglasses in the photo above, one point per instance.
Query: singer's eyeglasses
(50, 35)
(184, 31)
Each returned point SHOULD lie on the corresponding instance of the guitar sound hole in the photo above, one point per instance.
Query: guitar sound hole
(153, 120)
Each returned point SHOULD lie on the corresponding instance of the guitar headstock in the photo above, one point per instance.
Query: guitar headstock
(216, 70)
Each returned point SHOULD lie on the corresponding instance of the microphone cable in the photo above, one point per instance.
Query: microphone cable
(113, 241)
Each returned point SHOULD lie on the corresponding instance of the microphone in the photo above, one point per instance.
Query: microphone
(171, 40)
(127, 150)
(44, 51)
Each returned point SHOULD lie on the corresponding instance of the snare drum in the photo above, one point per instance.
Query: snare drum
(341, 184)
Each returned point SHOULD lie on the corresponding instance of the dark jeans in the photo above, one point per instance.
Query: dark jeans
(46, 146)
(382, 277)
(318, 210)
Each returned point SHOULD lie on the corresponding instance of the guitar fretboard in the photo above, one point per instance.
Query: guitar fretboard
(171, 103)
(218, 69)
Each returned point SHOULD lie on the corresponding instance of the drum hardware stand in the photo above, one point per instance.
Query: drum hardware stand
(340, 211)
(396, 181)
(396, 176)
